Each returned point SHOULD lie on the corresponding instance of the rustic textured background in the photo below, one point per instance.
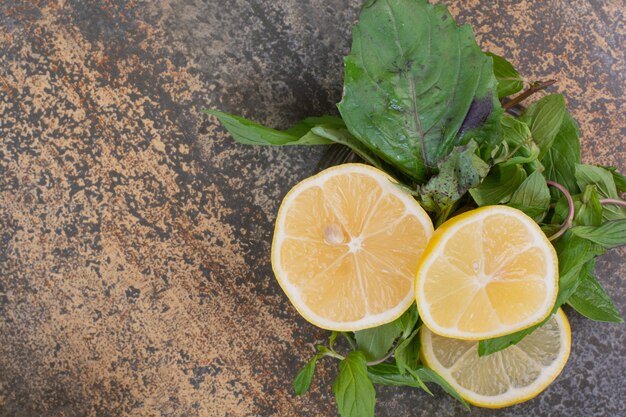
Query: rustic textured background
(134, 234)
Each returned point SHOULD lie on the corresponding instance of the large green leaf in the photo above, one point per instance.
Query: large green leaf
(544, 118)
(353, 389)
(560, 160)
(609, 235)
(416, 84)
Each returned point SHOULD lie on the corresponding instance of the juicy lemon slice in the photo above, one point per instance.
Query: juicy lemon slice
(510, 376)
(486, 273)
(346, 246)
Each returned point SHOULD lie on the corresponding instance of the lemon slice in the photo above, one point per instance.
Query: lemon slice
(510, 376)
(486, 273)
(346, 246)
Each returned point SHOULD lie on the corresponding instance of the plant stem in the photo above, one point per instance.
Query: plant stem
(384, 358)
(570, 206)
(334, 354)
(534, 87)
(613, 201)
(349, 339)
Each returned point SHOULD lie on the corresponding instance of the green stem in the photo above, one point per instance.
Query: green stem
(570, 205)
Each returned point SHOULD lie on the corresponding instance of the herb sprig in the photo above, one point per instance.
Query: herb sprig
(423, 103)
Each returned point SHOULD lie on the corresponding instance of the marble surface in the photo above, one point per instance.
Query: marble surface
(134, 233)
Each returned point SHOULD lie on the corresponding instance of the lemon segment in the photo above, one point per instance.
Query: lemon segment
(486, 273)
(510, 376)
(346, 246)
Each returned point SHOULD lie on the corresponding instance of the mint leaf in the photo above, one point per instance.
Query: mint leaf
(406, 323)
(609, 235)
(407, 353)
(251, 133)
(415, 84)
(518, 140)
(377, 341)
(603, 179)
(532, 196)
(302, 382)
(499, 185)
(458, 172)
(353, 389)
(428, 375)
(389, 374)
(592, 301)
(544, 118)
(619, 179)
(560, 160)
(598, 176)
(587, 208)
(509, 80)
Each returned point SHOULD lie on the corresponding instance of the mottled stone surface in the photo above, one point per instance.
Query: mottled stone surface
(134, 234)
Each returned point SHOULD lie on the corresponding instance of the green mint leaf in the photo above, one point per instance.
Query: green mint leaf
(406, 323)
(517, 140)
(302, 382)
(587, 208)
(251, 133)
(377, 341)
(407, 353)
(603, 179)
(389, 374)
(544, 118)
(609, 235)
(575, 260)
(332, 339)
(592, 301)
(509, 80)
(418, 379)
(598, 176)
(532, 196)
(561, 159)
(353, 389)
(619, 179)
(499, 185)
(428, 375)
(412, 104)
(458, 172)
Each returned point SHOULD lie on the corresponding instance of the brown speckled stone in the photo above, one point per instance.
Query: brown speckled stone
(134, 233)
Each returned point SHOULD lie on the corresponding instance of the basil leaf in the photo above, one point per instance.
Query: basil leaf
(353, 389)
(377, 341)
(458, 172)
(389, 374)
(428, 375)
(407, 321)
(574, 255)
(412, 104)
(302, 382)
(407, 353)
(592, 301)
(341, 135)
(588, 211)
(544, 118)
(603, 179)
(517, 137)
(251, 133)
(499, 185)
(532, 196)
(609, 235)
(560, 160)
(509, 80)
